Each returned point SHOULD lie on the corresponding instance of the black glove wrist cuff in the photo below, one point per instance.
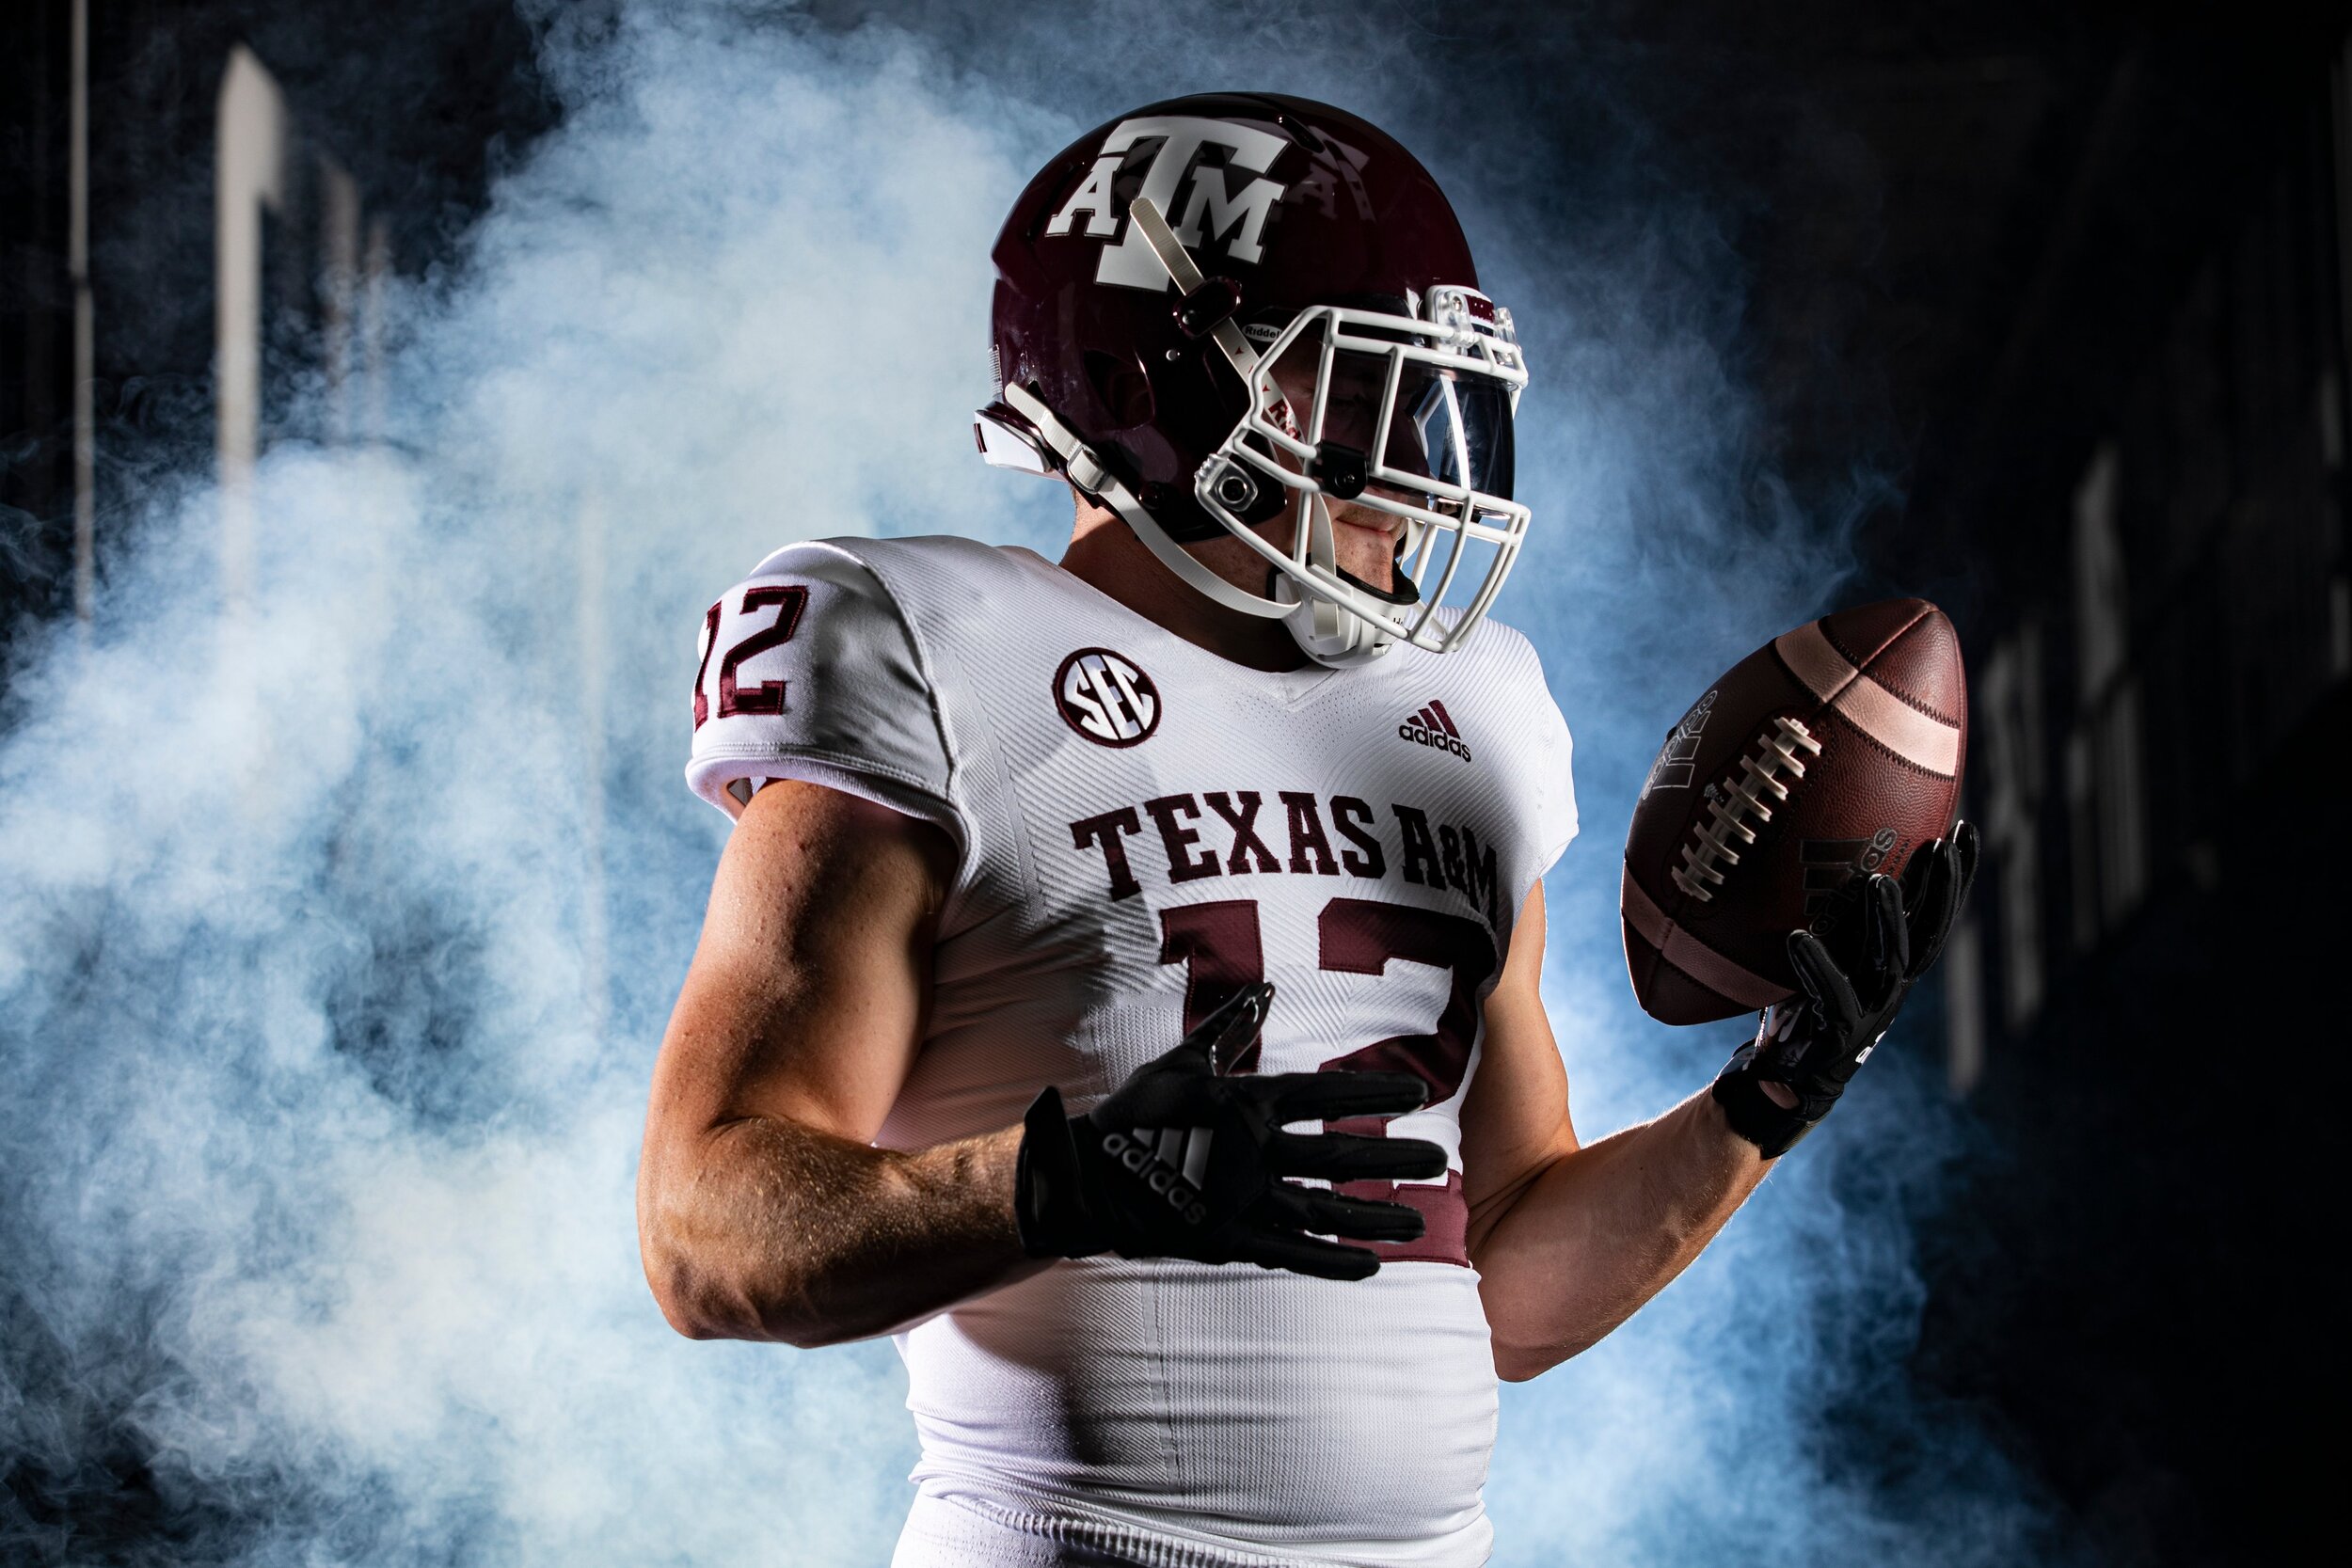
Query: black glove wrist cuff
(1045, 1186)
(1773, 1128)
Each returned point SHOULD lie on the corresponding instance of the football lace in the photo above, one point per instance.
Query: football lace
(1732, 807)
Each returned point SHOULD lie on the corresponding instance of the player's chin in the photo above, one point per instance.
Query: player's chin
(1364, 542)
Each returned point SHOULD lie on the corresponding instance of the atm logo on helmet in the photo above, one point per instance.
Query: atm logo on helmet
(1211, 208)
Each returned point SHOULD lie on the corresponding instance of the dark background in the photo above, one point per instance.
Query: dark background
(2069, 284)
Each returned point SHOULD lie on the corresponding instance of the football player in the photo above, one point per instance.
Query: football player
(1121, 983)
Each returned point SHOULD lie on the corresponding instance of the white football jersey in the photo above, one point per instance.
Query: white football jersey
(1144, 827)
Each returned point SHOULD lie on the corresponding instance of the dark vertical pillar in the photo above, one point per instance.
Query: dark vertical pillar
(36, 312)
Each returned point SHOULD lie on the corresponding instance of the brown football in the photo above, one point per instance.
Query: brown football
(1832, 749)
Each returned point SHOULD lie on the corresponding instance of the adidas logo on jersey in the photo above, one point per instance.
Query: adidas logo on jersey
(1171, 1163)
(1434, 726)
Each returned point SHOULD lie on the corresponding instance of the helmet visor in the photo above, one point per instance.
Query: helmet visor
(1458, 432)
(1436, 423)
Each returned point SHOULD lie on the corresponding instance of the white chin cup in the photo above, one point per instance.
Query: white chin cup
(1328, 634)
(1325, 632)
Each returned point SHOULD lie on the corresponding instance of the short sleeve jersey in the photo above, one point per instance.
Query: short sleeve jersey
(1142, 828)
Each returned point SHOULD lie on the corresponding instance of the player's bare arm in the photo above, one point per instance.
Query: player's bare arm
(766, 1213)
(763, 1210)
(1570, 1239)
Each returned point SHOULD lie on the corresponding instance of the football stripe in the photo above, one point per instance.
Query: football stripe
(1916, 737)
(1690, 954)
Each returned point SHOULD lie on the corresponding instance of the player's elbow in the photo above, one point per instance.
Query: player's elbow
(684, 1292)
(681, 1315)
(1513, 1367)
(694, 1295)
(1520, 1363)
(1538, 1348)
(711, 1280)
(702, 1298)
(703, 1304)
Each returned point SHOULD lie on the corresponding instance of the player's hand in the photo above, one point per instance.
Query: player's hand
(1808, 1046)
(1182, 1162)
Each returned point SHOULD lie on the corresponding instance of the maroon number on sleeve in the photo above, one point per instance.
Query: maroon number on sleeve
(768, 696)
(710, 645)
(790, 600)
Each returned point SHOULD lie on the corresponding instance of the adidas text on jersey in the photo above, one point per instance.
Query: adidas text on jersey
(1434, 726)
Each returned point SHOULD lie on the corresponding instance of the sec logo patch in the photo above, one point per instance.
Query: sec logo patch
(1102, 696)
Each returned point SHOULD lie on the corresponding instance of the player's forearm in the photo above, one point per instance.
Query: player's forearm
(774, 1230)
(1605, 1228)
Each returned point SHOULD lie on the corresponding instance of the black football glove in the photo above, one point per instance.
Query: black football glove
(1182, 1161)
(1812, 1043)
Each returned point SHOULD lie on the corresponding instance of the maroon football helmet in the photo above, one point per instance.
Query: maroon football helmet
(1221, 307)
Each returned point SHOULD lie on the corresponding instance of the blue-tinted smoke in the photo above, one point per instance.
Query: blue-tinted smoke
(336, 935)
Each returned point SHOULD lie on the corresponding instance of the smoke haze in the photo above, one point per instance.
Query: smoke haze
(338, 933)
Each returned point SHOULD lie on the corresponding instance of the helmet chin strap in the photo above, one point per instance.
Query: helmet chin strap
(1086, 472)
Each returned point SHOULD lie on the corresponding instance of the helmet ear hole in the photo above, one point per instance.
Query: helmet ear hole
(1121, 387)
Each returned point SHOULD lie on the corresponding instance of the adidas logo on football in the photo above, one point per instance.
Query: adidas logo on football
(1171, 1159)
(1434, 726)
